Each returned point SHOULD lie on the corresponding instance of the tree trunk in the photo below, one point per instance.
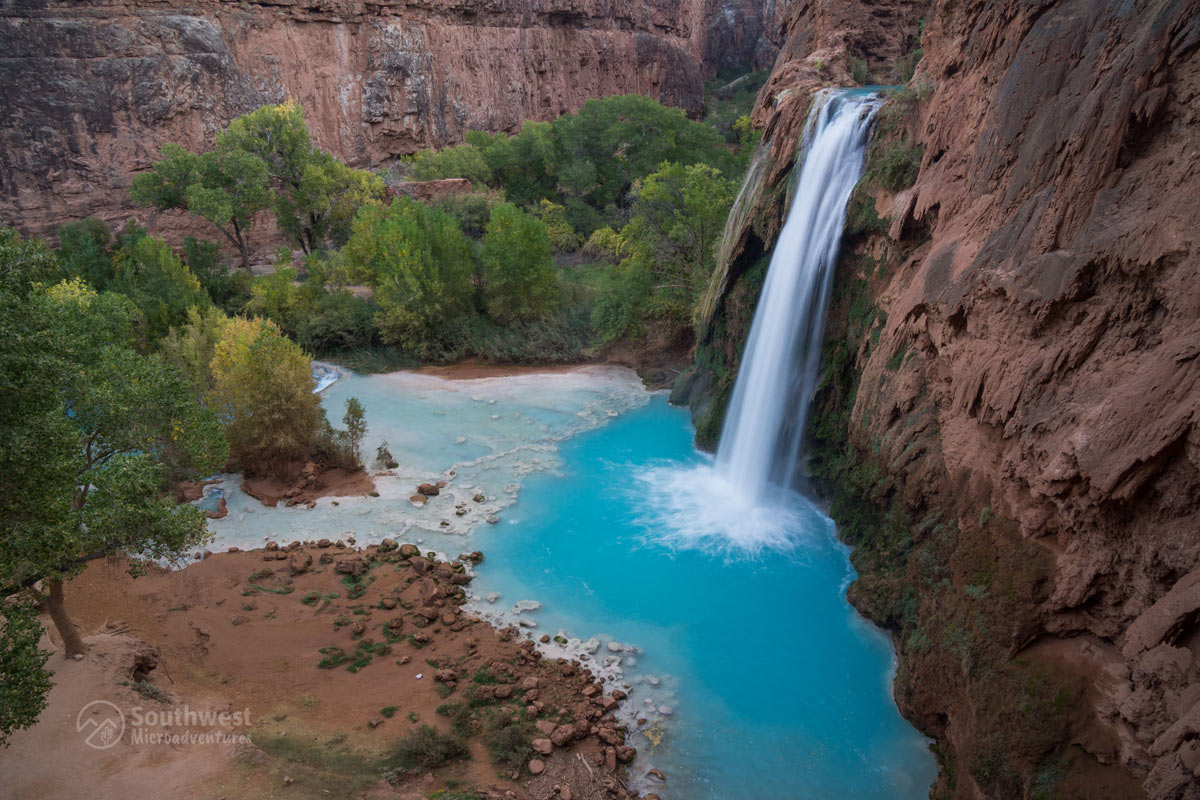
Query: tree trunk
(53, 605)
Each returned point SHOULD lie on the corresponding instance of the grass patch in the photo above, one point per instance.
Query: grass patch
(330, 768)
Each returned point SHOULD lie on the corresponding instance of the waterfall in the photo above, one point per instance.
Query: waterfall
(741, 503)
(767, 415)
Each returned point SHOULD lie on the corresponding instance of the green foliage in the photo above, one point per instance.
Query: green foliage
(24, 683)
(859, 71)
(226, 186)
(263, 390)
(148, 272)
(426, 748)
(587, 162)
(420, 265)
(728, 101)
(85, 251)
(471, 210)
(228, 289)
(518, 271)
(90, 433)
(316, 196)
(460, 161)
(894, 164)
(669, 247)
(508, 737)
(563, 238)
(905, 66)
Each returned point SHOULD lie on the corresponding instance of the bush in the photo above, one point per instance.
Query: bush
(509, 737)
(427, 748)
(895, 164)
(229, 289)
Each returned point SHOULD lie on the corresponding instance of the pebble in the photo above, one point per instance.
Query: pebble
(525, 622)
(419, 676)
(492, 597)
(614, 647)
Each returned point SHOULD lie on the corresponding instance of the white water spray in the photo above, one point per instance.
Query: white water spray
(765, 423)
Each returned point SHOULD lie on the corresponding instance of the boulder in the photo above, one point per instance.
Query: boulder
(543, 746)
(428, 489)
(409, 550)
(537, 766)
(353, 567)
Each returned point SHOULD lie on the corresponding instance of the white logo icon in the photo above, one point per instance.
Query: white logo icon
(102, 724)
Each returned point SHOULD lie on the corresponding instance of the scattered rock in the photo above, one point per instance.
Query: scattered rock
(479, 497)
(428, 489)
(537, 766)
(387, 545)
(409, 550)
(543, 746)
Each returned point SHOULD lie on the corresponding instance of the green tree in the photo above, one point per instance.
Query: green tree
(149, 273)
(263, 392)
(518, 271)
(85, 250)
(356, 427)
(317, 196)
(89, 435)
(679, 213)
(612, 142)
(419, 263)
(227, 186)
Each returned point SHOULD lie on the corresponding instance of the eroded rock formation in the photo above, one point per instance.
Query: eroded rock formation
(1010, 423)
(92, 91)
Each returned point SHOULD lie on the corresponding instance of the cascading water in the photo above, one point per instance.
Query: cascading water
(766, 419)
(744, 501)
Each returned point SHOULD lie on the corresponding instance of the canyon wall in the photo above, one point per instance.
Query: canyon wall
(91, 91)
(1008, 426)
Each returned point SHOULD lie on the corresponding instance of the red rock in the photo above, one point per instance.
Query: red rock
(537, 766)
(543, 746)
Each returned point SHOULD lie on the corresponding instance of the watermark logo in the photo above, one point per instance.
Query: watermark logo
(101, 724)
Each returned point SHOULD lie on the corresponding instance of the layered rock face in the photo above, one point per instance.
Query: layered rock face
(1010, 422)
(91, 91)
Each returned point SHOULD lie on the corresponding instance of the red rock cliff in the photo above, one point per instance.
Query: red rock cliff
(1010, 423)
(91, 91)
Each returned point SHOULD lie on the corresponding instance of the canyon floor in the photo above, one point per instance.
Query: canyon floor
(250, 631)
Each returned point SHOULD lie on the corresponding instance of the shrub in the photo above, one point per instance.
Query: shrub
(427, 748)
(508, 737)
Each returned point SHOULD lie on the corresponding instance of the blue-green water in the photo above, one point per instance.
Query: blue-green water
(777, 688)
(755, 678)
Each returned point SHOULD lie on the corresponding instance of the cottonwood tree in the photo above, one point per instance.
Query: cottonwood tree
(316, 195)
(90, 433)
(518, 269)
(420, 264)
(262, 388)
(227, 186)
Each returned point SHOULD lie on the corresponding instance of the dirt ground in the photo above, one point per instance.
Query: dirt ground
(247, 633)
